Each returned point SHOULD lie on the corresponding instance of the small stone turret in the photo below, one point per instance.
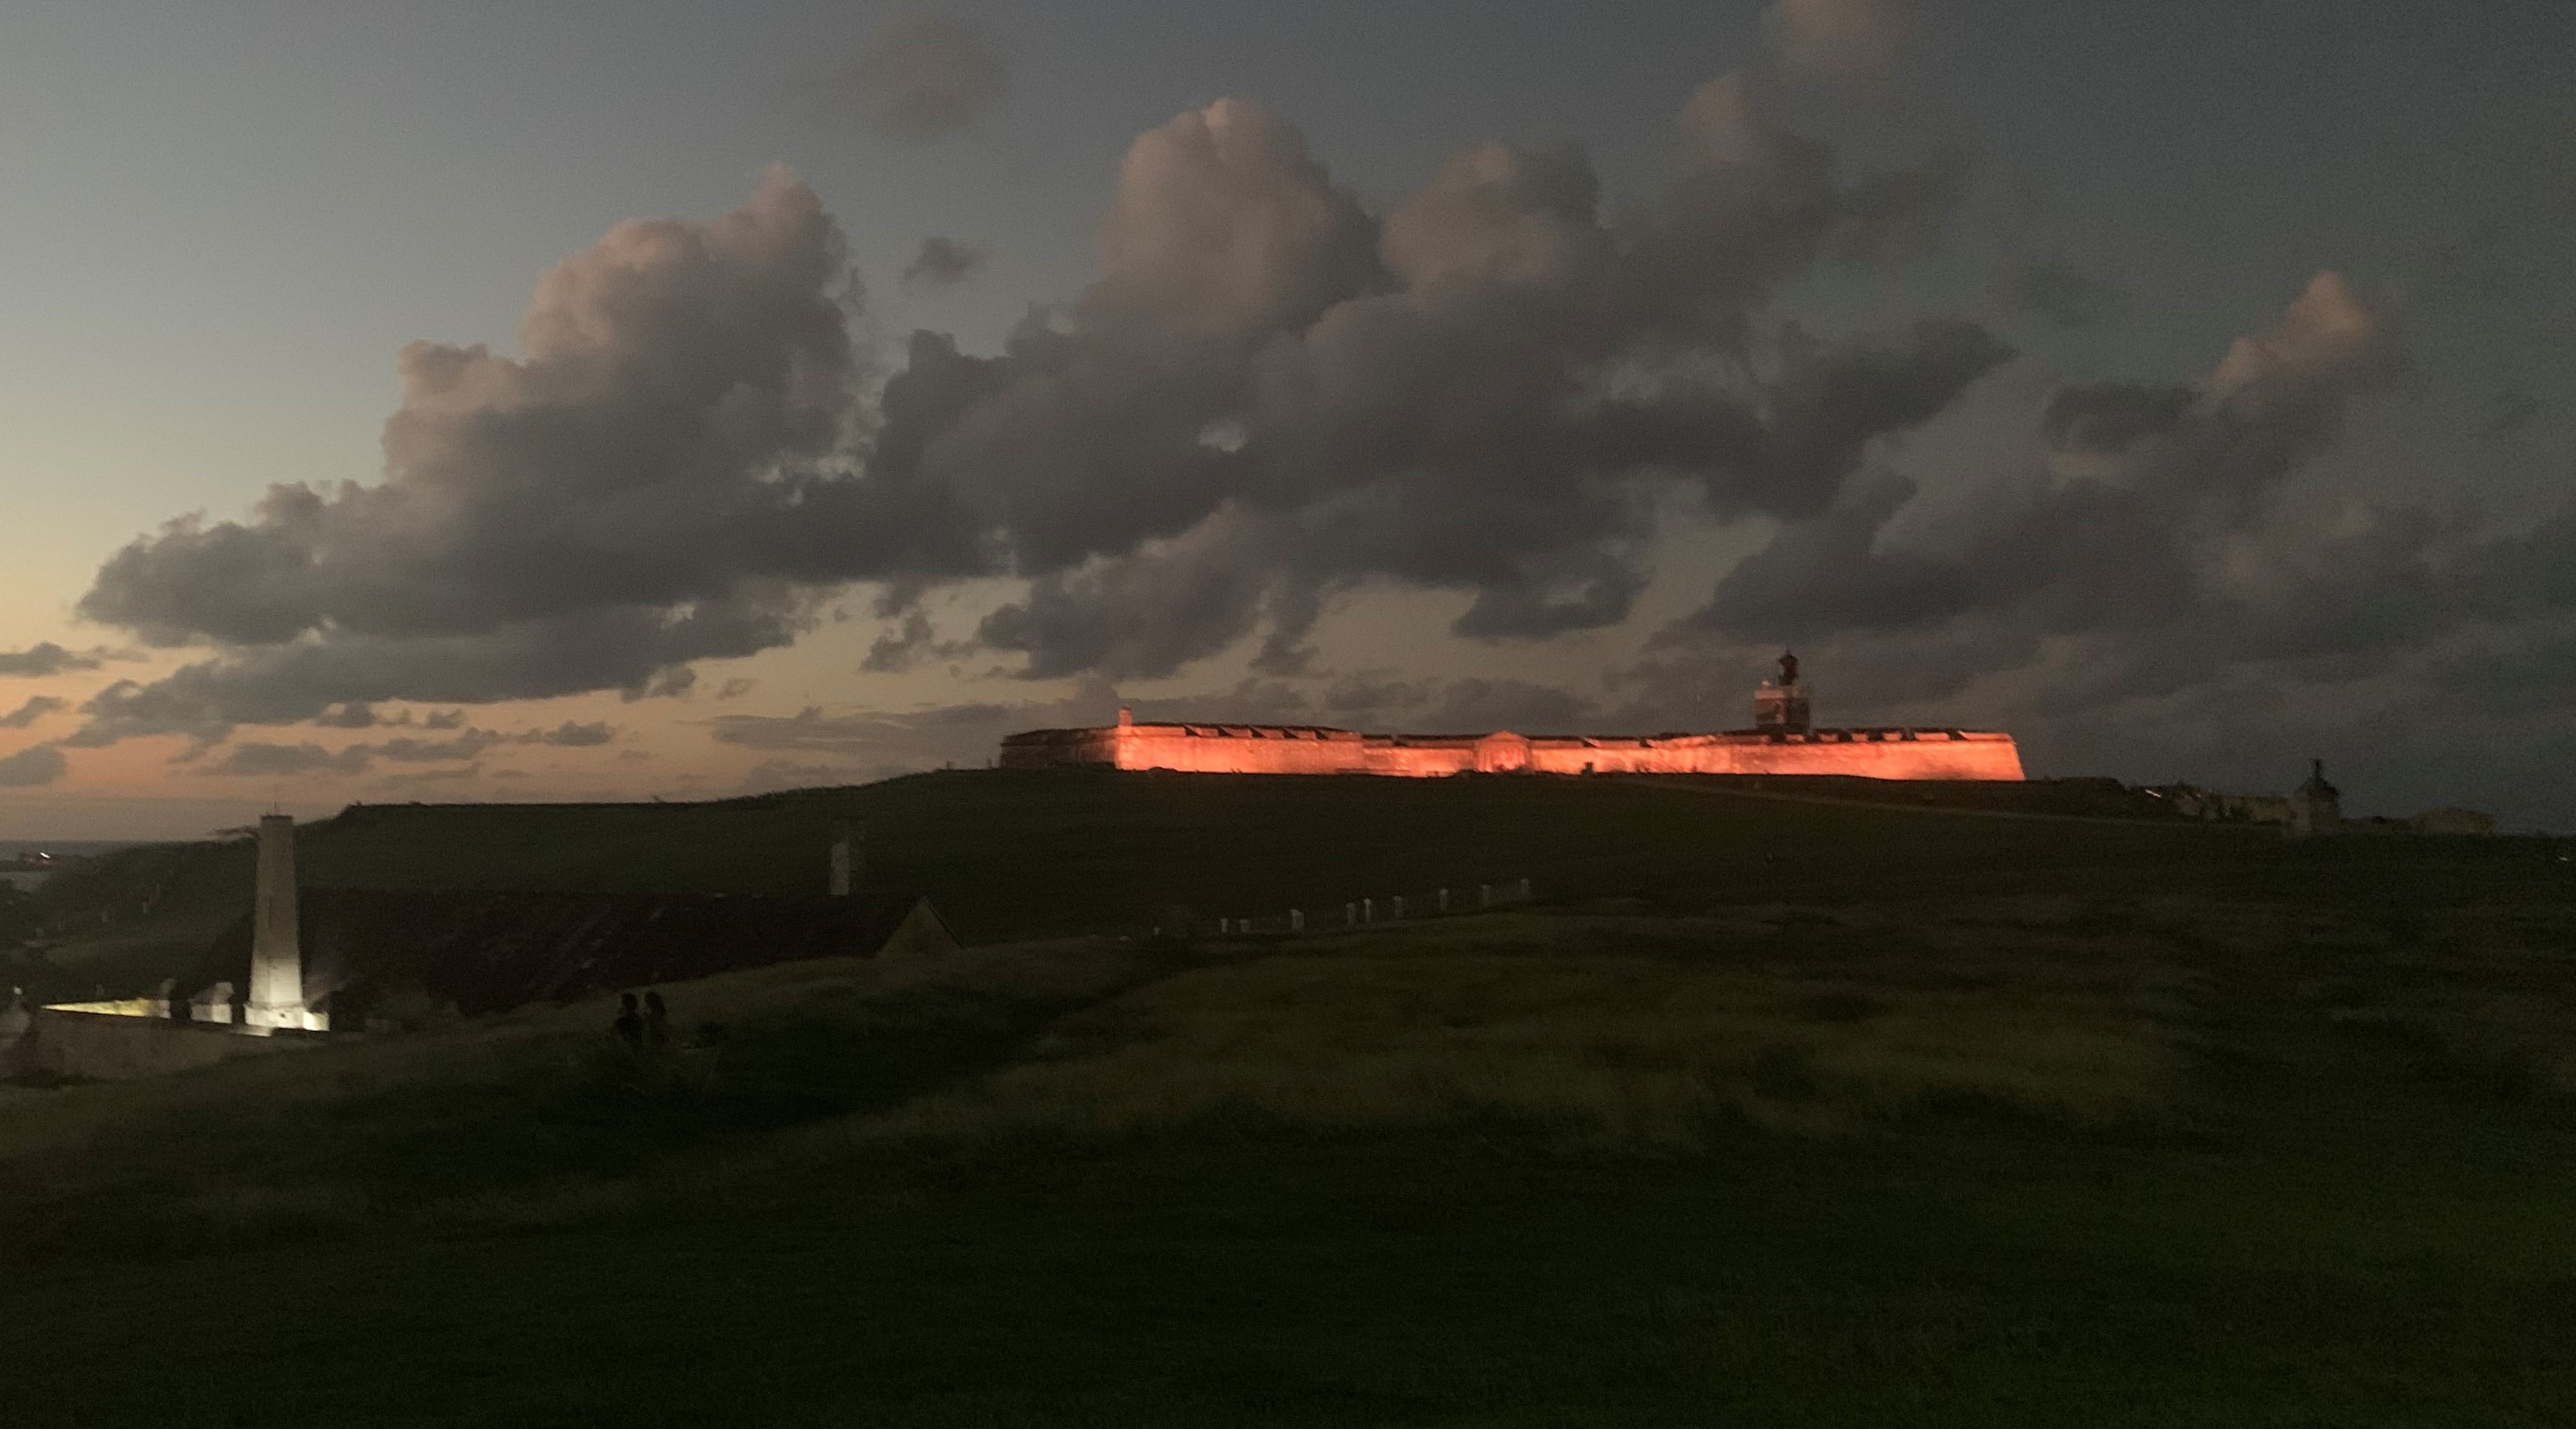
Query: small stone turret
(2315, 806)
(1780, 706)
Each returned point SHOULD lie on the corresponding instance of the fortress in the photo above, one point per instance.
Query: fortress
(1782, 741)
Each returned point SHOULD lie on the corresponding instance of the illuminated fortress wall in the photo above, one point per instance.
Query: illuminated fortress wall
(1781, 742)
(1882, 753)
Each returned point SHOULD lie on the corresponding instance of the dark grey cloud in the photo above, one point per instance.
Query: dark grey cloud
(35, 765)
(912, 642)
(254, 758)
(572, 735)
(925, 76)
(900, 649)
(637, 650)
(47, 658)
(459, 745)
(1269, 396)
(466, 746)
(2165, 563)
(453, 775)
(1144, 615)
(943, 262)
(2132, 516)
(36, 708)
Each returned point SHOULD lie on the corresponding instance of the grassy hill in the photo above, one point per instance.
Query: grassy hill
(1011, 854)
(1769, 1112)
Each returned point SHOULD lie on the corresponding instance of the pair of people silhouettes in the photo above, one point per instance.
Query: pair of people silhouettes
(638, 1026)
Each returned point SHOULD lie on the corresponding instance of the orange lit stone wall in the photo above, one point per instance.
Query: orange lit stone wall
(1278, 749)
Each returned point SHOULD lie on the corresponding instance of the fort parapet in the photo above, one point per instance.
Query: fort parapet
(1783, 744)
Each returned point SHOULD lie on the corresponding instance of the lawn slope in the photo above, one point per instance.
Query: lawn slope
(1767, 1113)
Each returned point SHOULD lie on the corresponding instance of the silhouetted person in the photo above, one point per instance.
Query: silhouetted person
(657, 1019)
(630, 1023)
(1788, 668)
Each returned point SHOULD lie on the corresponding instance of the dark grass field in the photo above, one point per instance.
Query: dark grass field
(1768, 1113)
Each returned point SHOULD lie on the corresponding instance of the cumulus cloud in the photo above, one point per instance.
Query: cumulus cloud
(1842, 39)
(1268, 396)
(943, 262)
(926, 76)
(36, 708)
(35, 765)
(641, 489)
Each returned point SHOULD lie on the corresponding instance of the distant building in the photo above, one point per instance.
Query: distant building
(1782, 741)
(2454, 821)
(2315, 806)
(2194, 802)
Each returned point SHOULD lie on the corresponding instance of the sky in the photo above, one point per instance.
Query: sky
(589, 400)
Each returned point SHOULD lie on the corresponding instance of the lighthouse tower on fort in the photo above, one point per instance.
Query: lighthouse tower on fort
(1783, 740)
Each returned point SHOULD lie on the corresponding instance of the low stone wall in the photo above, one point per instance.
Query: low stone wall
(97, 1046)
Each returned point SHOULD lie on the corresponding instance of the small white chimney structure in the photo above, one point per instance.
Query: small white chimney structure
(276, 954)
